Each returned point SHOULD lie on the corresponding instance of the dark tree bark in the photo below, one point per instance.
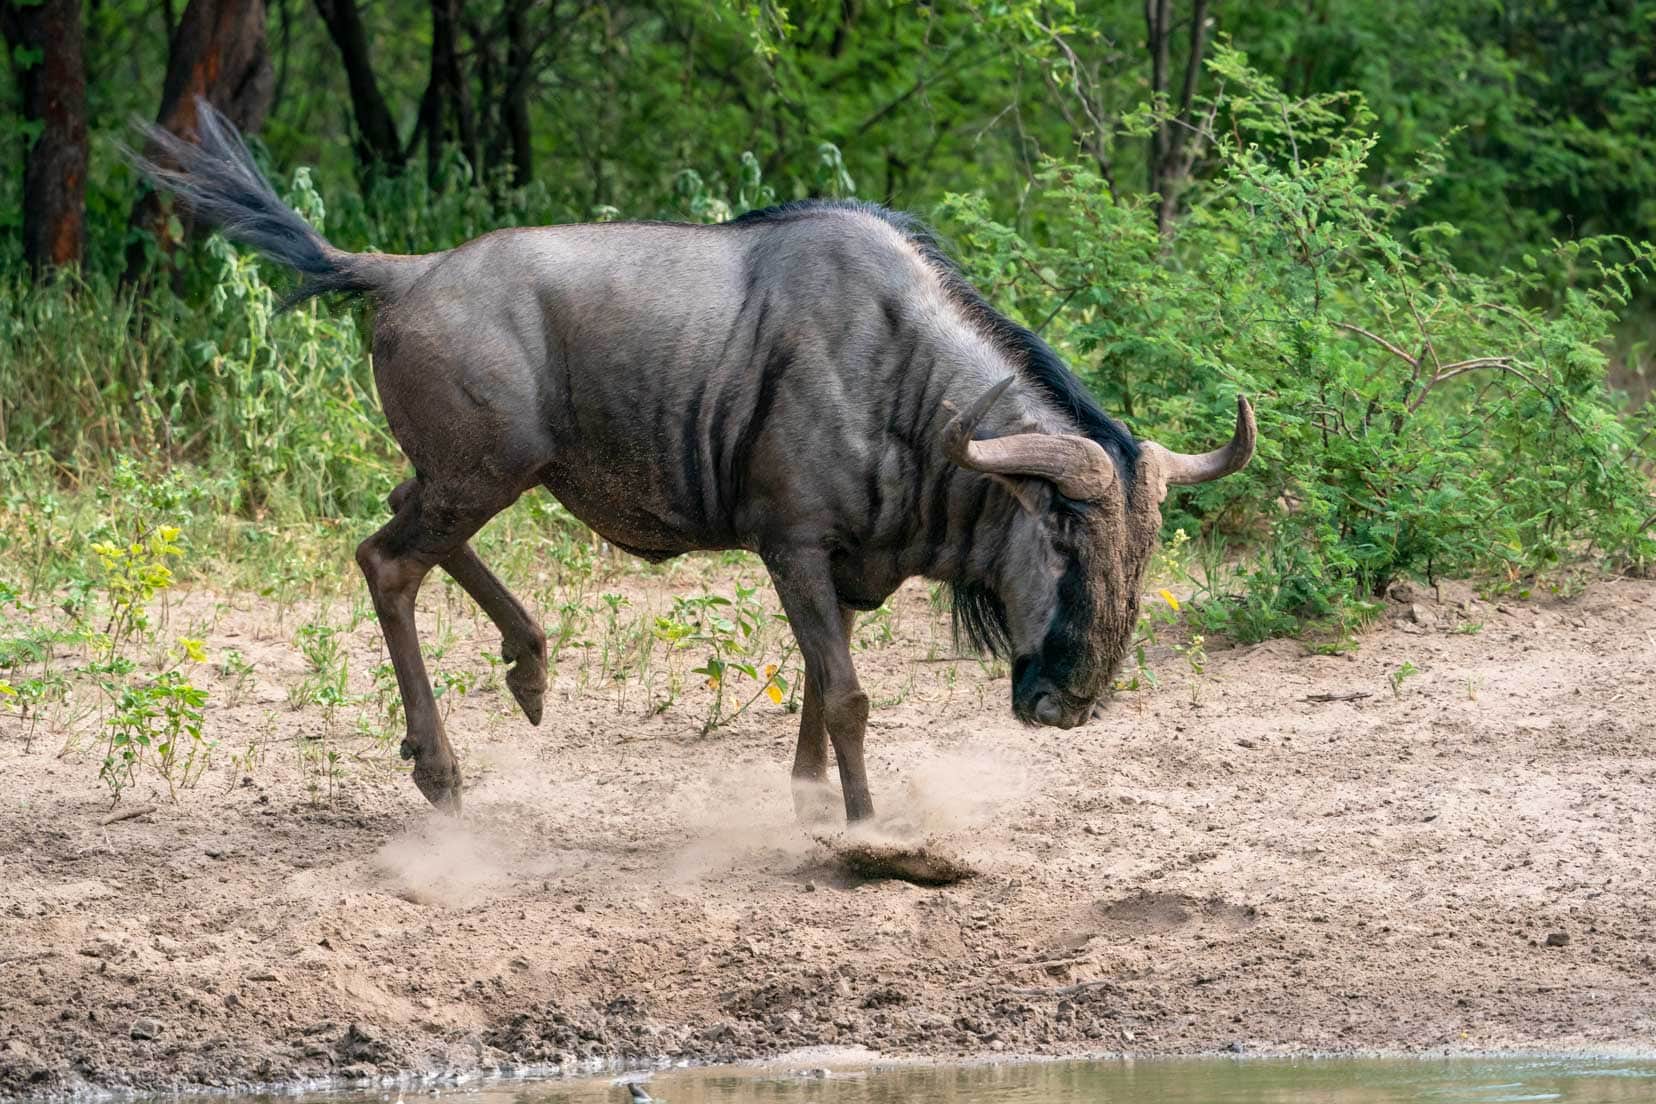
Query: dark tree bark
(1174, 145)
(218, 54)
(520, 60)
(489, 101)
(53, 88)
(445, 111)
(377, 144)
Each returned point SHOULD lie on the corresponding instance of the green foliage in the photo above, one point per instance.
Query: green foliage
(1415, 418)
(1434, 373)
(292, 403)
(156, 719)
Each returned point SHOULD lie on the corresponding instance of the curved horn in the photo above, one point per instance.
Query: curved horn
(1078, 466)
(1186, 468)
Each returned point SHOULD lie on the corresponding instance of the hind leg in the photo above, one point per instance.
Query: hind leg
(428, 527)
(522, 642)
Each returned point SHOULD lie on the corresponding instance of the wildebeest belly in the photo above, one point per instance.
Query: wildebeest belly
(632, 510)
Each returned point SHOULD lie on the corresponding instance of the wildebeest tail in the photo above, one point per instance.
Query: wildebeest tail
(216, 179)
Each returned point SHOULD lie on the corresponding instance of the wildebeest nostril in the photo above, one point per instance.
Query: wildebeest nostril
(1048, 711)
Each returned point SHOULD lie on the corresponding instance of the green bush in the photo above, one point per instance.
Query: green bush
(1416, 419)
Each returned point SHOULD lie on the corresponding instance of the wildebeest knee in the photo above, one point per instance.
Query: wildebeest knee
(846, 713)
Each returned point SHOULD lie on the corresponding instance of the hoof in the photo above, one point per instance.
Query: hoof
(530, 699)
(441, 787)
(816, 806)
(527, 680)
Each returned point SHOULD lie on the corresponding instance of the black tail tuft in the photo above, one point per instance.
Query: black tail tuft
(216, 179)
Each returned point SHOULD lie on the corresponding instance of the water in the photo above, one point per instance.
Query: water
(1203, 1081)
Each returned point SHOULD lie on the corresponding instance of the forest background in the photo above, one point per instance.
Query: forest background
(1416, 234)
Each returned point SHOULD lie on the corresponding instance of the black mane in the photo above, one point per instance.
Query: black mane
(979, 616)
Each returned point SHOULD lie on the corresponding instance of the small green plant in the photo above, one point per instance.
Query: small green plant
(133, 573)
(326, 683)
(450, 685)
(878, 628)
(244, 764)
(573, 616)
(29, 696)
(155, 720)
(235, 667)
(158, 723)
(385, 724)
(731, 631)
(1401, 674)
(1194, 653)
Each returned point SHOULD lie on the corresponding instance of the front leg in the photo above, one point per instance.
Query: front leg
(823, 629)
(810, 769)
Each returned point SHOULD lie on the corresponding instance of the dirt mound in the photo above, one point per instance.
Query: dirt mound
(924, 864)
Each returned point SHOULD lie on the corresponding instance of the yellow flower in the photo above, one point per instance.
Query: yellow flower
(772, 691)
(1167, 596)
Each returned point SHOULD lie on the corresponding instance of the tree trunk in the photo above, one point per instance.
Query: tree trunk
(377, 145)
(45, 39)
(445, 112)
(1175, 142)
(218, 54)
(520, 58)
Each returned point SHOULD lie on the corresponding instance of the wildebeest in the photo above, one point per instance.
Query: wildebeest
(814, 382)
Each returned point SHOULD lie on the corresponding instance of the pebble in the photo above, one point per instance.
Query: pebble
(1558, 939)
(147, 1029)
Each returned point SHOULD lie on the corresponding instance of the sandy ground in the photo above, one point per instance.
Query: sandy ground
(1222, 864)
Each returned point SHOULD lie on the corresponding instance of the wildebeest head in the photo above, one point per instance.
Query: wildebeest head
(1065, 607)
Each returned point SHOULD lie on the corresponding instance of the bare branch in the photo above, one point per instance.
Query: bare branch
(1450, 371)
(1380, 341)
(1503, 364)
(1094, 136)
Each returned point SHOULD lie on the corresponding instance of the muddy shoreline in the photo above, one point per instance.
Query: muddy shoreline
(1225, 865)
